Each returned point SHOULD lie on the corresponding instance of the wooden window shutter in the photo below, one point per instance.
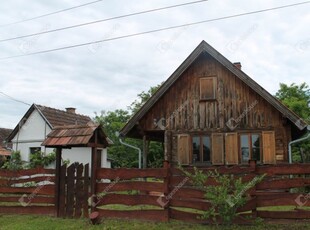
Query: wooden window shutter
(208, 88)
(231, 148)
(183, 149)
(217, 154)
(269, 148)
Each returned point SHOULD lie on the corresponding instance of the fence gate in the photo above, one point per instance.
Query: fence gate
(73, 187)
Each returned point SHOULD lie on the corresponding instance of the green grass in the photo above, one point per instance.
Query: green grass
(30, 222)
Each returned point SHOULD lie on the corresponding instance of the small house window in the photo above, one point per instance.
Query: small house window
(250, 147)
(34, 149)
(208, 87)
(201, 149)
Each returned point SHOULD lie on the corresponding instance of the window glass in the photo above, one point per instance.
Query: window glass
(196, 149)
(206, 148)
(35, 149)
(245, 148)
(255, 147)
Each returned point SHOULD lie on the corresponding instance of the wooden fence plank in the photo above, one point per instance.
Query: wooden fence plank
(125, 174)
(280, 199)
(33, 200)
(284, 169)
(62, 192)
(70, 191)
(153, 215)
(284, 183)
(297, 214)
(31, 179)
(38, 210)
(79, 191)
(128, 199)
(85, 190)
(25, 172)
(131, 185)
(40, 190)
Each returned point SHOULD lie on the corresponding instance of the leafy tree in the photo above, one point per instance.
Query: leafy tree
(113, 121)
(121, 155)
(14, 163)
(142, 98)
(297, 98)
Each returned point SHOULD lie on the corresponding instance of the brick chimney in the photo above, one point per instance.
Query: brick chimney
(238, 65)
(70, 110)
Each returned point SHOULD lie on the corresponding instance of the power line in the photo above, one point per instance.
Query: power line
(13, 99)
(52, 13)
(153, 31)
(102, 20)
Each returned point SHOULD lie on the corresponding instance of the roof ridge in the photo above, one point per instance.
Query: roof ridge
(60, 110)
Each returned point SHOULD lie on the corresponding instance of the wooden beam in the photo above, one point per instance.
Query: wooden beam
(57, 180)
(94, 165)
(145, 151)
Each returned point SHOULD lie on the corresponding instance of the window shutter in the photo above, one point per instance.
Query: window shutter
(269, 149)
(217, 149)
(183, 149)
(208, 88)
(231, 148)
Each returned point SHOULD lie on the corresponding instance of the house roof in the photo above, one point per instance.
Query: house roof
(204, 47)
(53, 117)
(77, 136)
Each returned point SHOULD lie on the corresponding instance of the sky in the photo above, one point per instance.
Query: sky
(273, 47)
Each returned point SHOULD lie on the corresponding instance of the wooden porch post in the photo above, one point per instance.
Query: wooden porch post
(145, 151)
(252, 164)
(57, 180)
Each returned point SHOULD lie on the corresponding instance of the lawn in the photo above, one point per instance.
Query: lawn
(25, 222)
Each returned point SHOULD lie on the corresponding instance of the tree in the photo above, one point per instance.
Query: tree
(113, 121)
(142, 98)
(297, 98)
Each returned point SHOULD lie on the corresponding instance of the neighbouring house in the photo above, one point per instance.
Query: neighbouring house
(209, 112)
(39, 121)
(5, 148)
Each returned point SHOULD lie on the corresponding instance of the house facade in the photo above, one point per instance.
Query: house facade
(38, 122)
(209, 112)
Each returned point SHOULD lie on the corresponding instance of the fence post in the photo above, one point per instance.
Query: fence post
(167, 188)
(57, 180)
(253, 193)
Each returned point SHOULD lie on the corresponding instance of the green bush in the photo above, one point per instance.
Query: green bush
(226, 197)
(14, 163)
(39, 159)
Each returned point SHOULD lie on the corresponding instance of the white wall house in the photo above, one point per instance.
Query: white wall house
(38, 122)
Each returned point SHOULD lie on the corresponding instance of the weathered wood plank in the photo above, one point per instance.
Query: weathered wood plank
(284, 183)
(40, 190)
(130, 185)
(38, 210)
(25, 172)
(70, 196)
(85, 190)
(128, 199)
(62, 192)
(297, 214)
(125, 174)
(284, 169)
(152, 215)
(32, 200)
(79, 191)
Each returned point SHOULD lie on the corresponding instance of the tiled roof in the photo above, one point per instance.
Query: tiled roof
(58, 117)
(75, 135)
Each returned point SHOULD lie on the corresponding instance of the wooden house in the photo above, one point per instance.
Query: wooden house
(210, 112)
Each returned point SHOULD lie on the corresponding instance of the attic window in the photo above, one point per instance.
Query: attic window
(207, 88)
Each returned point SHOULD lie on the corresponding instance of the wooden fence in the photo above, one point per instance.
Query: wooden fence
(164, 194)
(29, 191)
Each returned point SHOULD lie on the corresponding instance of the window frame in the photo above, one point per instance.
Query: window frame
(249, 135)
(201, 137)
(32, 148)
(214, 81)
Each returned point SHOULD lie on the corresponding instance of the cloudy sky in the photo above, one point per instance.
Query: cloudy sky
(273, 47)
